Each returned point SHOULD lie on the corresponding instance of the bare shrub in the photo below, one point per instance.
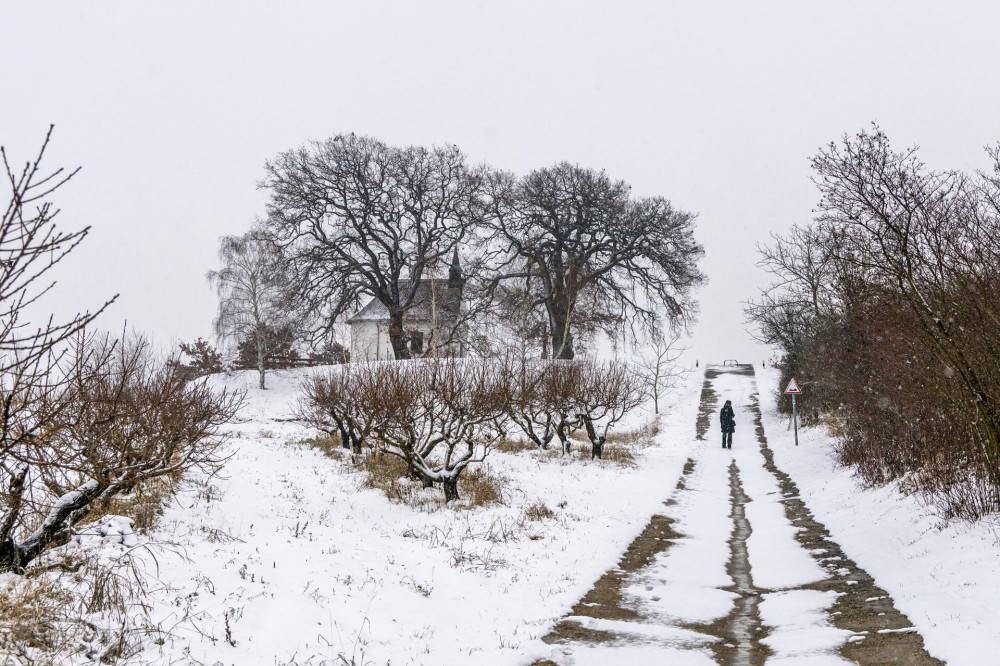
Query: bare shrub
(117, 419)
(437, 415)
(887, 313)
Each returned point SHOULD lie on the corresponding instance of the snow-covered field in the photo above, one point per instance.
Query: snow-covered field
(286, 560)
(944, 576)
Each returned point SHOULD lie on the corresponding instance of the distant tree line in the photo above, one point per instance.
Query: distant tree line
(562, 252)
(886, 310)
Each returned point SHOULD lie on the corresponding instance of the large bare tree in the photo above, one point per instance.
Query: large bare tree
(582, 249)
(359, 218)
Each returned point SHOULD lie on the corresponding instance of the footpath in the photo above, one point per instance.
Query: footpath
(735, 570)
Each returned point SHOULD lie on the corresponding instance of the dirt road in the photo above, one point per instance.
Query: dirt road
(735, 570)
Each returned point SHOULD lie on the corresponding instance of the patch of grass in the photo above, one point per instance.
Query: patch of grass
(619, 455)
(66, 607)
(538, 511)
(642, 437)
(514, 445)
(480, 487)
(329, 445)
(143, 504)
(387, 473)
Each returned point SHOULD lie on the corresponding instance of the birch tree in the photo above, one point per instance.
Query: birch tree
(252, 290)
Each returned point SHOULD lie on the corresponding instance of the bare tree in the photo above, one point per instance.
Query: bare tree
(891, 303)
(658, 366)
(606, 394)
(439, 415)
(253, 293)
(330, 403)
(359, 218)
(31, 245)
(530, 407)
(117, 418)
(567, 233)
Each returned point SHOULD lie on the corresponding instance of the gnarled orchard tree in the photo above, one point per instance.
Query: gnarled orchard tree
(330, 403)
(361, 219)
(567, 234)
(30, 246)
(82, 425)
(118, 418)
(607, 393)
(439, 415)
(553, 399)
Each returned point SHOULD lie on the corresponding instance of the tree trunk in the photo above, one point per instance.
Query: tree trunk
(451, 489)
(597, 449)
(596, 442)
(397, 336)
(260, 354)
(562, 337)
(10, 556)
(417, 475)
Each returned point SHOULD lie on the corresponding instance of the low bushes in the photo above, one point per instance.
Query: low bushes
(439, 416)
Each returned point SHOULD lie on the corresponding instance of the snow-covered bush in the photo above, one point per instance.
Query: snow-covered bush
(437, 415)
(110, 418)
(556, 398)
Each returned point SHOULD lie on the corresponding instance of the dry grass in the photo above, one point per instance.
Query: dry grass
(479, 487)
(619, 455)
(642, 437)
(387, 473)
(539, 511)
(329, 445)
(143, 504)
(72, 608)
(514, 446)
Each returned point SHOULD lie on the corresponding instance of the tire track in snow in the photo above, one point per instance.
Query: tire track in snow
(881, 634)
(610, 621)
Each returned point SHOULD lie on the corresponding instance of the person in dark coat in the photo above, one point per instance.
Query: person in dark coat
(728, 419)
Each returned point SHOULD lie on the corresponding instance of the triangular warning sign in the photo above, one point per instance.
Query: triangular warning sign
(793, 388)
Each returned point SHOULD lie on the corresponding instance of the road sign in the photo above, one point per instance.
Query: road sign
(793, 388)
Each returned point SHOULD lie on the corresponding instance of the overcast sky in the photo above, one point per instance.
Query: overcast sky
(172, 110)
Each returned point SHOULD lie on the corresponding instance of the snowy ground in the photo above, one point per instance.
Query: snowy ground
(284, 560)
(685, 594)
(944, 576)
(287, 561)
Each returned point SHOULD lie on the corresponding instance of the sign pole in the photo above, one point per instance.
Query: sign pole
(795, 421)
(794, 390)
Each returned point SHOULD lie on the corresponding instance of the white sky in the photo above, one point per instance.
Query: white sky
(172, 110)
